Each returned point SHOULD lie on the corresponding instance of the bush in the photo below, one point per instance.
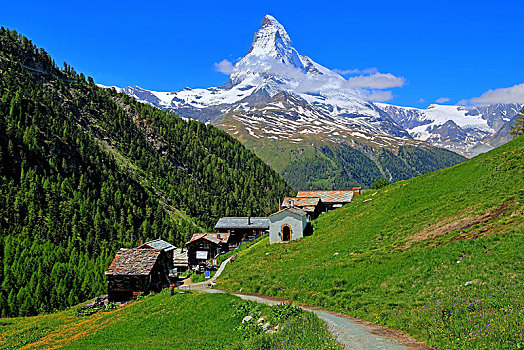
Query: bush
(379, 184)
(85, 312)
(284, 312)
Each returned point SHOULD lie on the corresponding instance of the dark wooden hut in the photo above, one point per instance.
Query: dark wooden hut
(311, 205)
(135, 271)
(160, 244)
(330, 199)
(204, 246)
(242, 228)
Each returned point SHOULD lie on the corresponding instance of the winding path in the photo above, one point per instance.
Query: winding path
(350, 332)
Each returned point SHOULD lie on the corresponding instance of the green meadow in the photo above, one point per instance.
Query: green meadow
(182, 321)
(440, 256)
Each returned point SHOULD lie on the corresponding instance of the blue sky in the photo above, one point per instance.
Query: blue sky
(443, 49)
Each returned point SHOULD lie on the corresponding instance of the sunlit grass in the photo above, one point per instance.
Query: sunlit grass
(183, 321)
(422, 244)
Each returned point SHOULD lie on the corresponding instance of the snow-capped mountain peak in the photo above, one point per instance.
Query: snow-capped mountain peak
(319, 99)
(272, 40)
(272, 55)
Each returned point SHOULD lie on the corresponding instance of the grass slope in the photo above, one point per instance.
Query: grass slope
(439, 256)
(183, 321)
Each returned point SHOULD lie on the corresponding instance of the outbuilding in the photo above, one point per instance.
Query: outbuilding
(330, 199)
(135, 271)
(242, 228)
(204, 246)
(287, 224)
(311, 205)
(160, 244)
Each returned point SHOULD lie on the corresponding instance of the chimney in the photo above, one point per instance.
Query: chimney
(140, 242)
(249, 220)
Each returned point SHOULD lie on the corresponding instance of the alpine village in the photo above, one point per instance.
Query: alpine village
(285, 209)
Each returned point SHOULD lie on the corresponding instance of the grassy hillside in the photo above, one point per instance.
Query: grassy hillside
(183, 321)
(439, 256)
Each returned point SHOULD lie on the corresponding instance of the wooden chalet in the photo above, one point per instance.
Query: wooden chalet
(180, 260)
(204, 246)
(311, 205)
(330, 199)
(161, 245)
(242, 228)
(135, 271)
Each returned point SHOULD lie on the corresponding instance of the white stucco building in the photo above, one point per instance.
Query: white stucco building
(286, 225)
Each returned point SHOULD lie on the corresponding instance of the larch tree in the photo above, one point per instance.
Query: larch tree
(517, 129)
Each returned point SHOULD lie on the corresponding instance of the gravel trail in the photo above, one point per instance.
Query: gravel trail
(351, 333)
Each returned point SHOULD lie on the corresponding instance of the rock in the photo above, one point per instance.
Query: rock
(265, 326)
(468, 283)
(261, 320)
(88, 306)
(335, 254)
(247, 319)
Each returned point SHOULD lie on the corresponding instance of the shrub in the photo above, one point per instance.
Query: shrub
(284, 312)
(379, 184)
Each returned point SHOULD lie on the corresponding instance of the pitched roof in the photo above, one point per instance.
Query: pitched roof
(308, 209)
(296, 211)
(180, 257)
(242, 222)
(134, 262)
(329, 196)
(215, 238)
(300, 201)
(158, 244)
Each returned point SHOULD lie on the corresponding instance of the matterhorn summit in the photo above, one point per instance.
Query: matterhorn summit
(272, 40)
(280, 93)
(273, 66)
(272, 51)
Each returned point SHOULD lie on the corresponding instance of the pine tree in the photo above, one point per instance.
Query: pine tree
(517, 129)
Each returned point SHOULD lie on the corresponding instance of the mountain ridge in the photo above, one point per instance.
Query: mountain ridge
(273, 65)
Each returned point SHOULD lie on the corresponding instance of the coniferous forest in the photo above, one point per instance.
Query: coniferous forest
(86, 170)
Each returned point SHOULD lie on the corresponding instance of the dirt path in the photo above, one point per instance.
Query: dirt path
(352, 333)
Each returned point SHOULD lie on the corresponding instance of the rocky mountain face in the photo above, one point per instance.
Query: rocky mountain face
(276, 98)
(273, 66)
(465, 130)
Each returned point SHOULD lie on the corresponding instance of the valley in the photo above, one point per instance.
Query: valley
(331, 218)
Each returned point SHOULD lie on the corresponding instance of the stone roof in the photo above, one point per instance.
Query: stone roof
(180, 257)
(329, 196)
(308, 209)
(296, 211)
(159, 244)
(134, 262)
(300, 201)
(215, 238)
(242, 222)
